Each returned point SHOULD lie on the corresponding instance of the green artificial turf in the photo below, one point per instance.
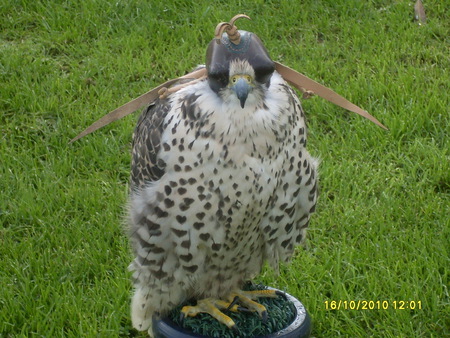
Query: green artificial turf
(381, 231)
(280, 310)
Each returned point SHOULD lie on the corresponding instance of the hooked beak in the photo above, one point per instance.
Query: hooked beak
(241, 88)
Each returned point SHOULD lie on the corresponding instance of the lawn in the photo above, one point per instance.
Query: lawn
(381, 231)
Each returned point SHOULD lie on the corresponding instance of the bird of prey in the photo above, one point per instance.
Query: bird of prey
(221, 182)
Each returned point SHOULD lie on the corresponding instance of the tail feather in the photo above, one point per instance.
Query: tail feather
(141, 311)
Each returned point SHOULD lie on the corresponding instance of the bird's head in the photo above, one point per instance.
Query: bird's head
(241, 80)
(237, 62)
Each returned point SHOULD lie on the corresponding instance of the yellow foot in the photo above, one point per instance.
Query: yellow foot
(212, 307)
(244, 298)
(247, 300)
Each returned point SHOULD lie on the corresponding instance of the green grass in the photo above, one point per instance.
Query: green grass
(381, 231)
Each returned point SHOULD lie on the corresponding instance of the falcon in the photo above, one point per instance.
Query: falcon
(221, 182)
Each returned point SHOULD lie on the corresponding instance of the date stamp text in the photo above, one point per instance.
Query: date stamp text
(373, 304)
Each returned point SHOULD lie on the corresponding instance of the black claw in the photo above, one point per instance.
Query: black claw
(243, 309)
(182, 316)
(264, 316)
(233, 303)
(235, 328)
(281, 293)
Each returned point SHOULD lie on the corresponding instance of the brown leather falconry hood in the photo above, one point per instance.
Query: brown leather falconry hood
(232, 45)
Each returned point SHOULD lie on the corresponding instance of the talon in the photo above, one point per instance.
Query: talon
(233, 302)
(264, 316)
(182, 316)
(243, 309)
